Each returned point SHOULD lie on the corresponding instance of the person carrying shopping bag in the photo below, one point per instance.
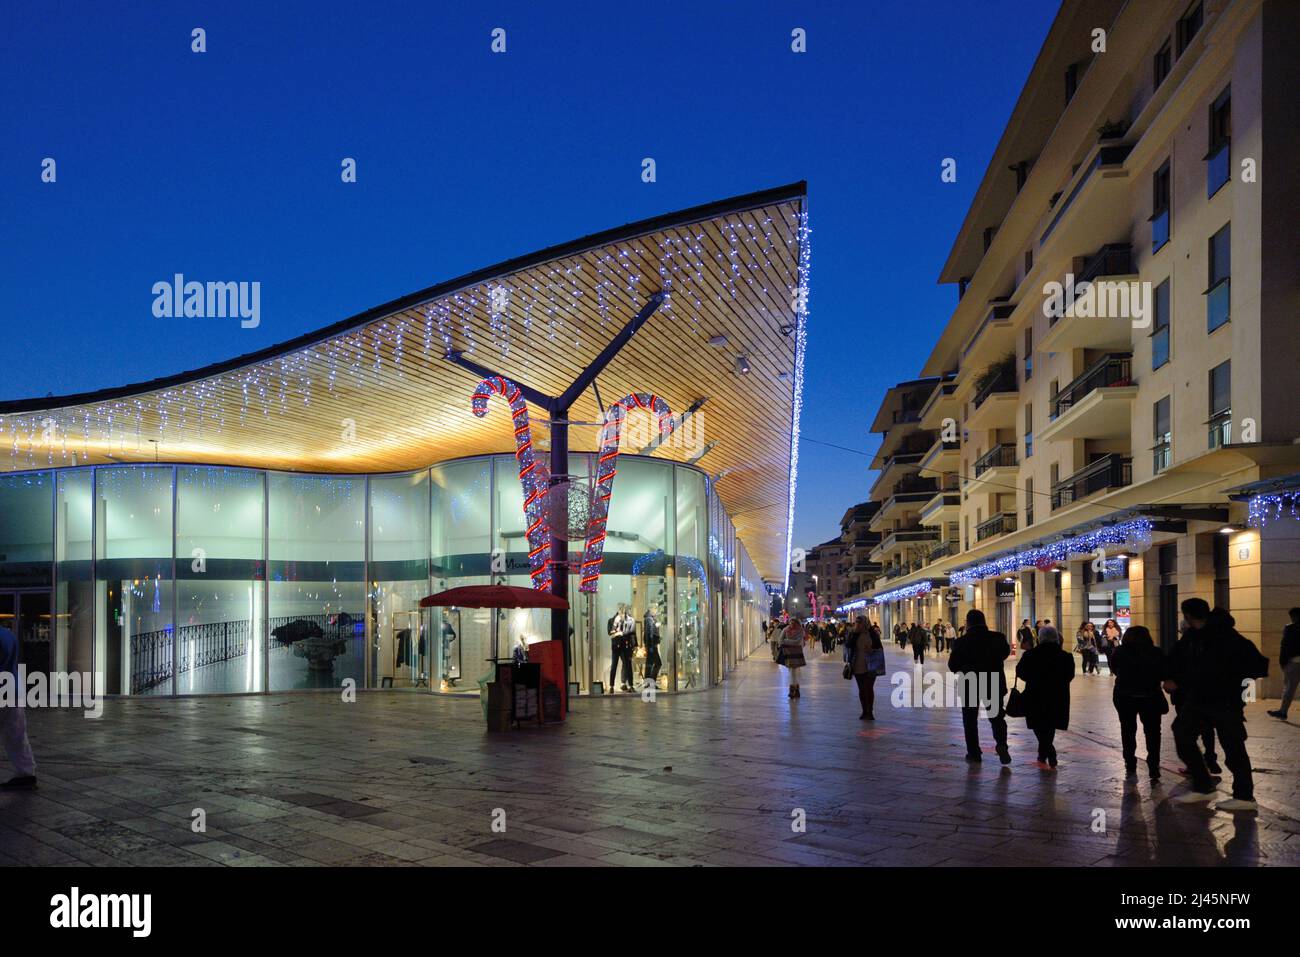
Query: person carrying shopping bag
(792, 641)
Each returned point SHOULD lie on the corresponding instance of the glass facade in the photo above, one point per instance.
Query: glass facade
(181, 580)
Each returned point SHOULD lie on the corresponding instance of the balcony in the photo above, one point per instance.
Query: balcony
(941, 405)
(905, 500)
(942, 550)
(1103, 319)
(997, 468)
(895, 469)
(940, 458)
(1095, 208)
(995, 403)
(1109, 472)
(999, 524)
(1096, 405)
(942, 508)
(897, 541)
(994, 337)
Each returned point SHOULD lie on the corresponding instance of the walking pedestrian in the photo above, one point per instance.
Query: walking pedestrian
(1208, 667)
(865, 656)
(1110, 638)
(1085, 643)
(1047, 670)
(940, 634)
(1289, 659)
(13, 719)
(792, 640)
(1025, 636)
(977, 655)
(917, 639)
(1138, 667)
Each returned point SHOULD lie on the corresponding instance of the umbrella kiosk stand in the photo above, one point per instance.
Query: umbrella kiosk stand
(532, 690)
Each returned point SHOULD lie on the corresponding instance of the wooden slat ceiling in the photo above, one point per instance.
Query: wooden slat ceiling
(734, 273)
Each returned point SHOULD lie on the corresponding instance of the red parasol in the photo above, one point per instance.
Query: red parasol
(494, 596)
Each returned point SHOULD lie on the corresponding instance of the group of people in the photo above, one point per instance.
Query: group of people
(1203, 675)
(918, 635)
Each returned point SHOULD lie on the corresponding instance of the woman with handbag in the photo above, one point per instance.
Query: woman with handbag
(864, 659)
(1047, 670)
(1085, 643)
(791, 654)
(1138, 667)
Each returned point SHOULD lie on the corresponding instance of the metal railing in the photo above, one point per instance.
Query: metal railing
(942, 550)
(153, 658)
(1110, 471)
(1111, 370)
(1004, 381)
(1000, 456)
(999, 524)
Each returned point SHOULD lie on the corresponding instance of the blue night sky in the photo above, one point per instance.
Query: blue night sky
(225, 165)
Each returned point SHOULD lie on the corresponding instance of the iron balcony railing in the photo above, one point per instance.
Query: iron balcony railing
(1115, 259)
(1111, 370)
(942, 550)
(1004, 381)
(997, 525)
(1110, 471)
(1000, 456)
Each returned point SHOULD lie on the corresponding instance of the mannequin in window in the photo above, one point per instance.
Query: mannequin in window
(650, 637)
(622, 640)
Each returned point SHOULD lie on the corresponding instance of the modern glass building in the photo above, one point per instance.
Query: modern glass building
(271, 524)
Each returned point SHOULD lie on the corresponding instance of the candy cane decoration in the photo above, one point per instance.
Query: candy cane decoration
(531, 476)
(610, 433)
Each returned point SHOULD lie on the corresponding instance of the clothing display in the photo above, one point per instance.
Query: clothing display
(622, 641)
(651, 638)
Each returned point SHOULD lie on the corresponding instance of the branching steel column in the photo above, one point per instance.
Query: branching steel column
(557, 407)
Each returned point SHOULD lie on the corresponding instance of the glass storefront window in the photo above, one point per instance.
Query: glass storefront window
(401, 656)
(74, 593)
(691, 580)
(316, 581)
(633, 581)
(220, 581)
(460, 537)
(133, 579)
(26, 565)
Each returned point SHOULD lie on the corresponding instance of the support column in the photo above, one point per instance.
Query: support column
(560, 617)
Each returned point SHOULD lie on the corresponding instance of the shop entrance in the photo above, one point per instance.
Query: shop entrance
(27, 614)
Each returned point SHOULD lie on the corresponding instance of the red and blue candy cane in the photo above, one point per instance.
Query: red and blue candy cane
(606, 463)
(531, 475)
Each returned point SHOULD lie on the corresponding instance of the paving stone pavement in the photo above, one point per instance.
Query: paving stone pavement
(711, 778)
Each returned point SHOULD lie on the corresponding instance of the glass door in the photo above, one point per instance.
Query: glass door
(27, 615)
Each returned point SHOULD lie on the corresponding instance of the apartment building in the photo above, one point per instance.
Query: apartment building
(1118, 377)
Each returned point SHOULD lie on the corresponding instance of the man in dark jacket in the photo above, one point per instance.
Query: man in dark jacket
(1209, 668)
(1025, 636)
(1289, 659)
(977, 655)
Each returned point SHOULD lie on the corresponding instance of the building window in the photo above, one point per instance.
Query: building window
(1220, 405)
(1029, 502)
(1217, 296)
(1190, 25)
(1029, 353)
(1160, 190)
(1164, 63)
(1220, 152)
(1071, 81)
(1222, 591)
(1029, 429)
(1029, 261)
(1160, 332)
(1162, 450)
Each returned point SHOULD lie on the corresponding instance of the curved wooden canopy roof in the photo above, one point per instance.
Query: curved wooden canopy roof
(376, 393)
